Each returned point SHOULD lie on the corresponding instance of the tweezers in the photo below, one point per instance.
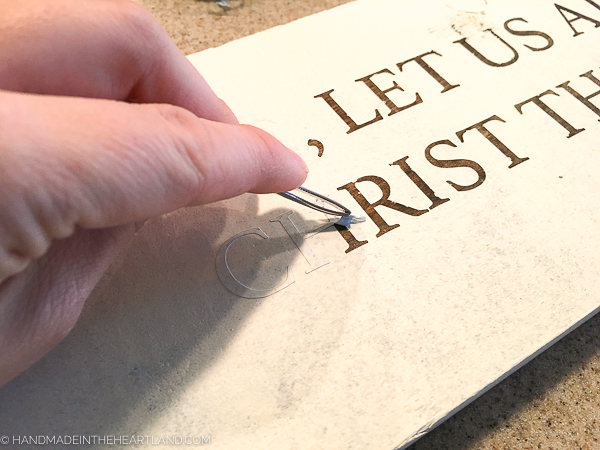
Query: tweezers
(346, 218)
(342, 211)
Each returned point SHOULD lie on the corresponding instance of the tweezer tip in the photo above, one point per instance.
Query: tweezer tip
(346, 221)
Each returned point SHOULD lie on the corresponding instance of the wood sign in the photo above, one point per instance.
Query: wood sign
(467, 133)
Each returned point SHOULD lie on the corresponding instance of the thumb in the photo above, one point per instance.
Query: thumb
(72, 162)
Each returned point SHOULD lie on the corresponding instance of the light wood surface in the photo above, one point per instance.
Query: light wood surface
(108, 385)
(551, 403)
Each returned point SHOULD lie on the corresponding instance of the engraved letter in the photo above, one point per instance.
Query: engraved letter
(232, 283)
(427, 68)
(577, 17)
(581, 98)
(420, 183)
(493, 139)
(306, 250)
(350, 239)
(449, 163)
(345, 117)
(369, 208)
(482, 58)
(549, 41)
(384, 98)
(537, 100)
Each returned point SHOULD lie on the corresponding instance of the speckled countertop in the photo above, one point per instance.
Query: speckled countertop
(551, 403)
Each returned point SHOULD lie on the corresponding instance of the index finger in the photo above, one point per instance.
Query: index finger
(111, 49)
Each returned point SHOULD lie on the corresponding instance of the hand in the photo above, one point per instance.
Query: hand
(103, 124)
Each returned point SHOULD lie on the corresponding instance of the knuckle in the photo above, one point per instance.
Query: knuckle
(264, 150)
(129, 26)
(11, 263)
(131, 11)
(16, 256)
(138, 19)
(175, 115)
(185, 136)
